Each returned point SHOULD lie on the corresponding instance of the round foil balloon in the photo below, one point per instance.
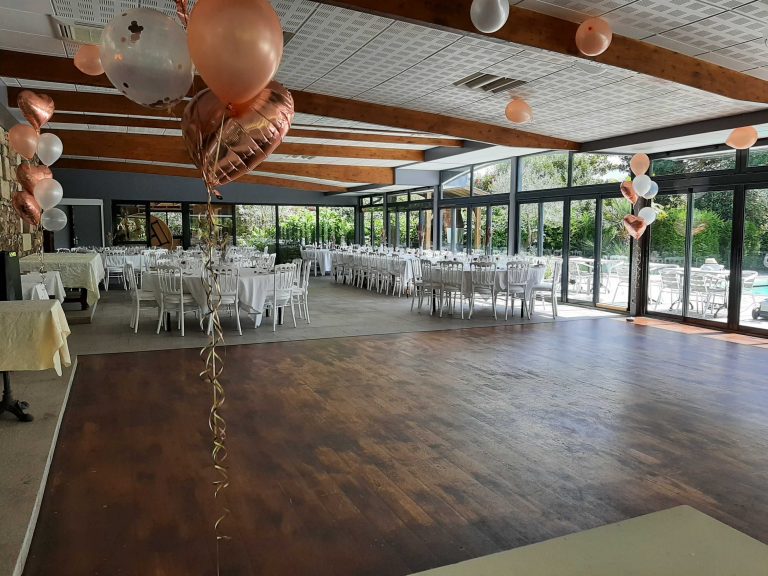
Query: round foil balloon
(49, 148)
(88, 60)
(23, 140)
(26, 207)
(654, 189)
(29, 176)
(642, 184)
(144, 54)
(53, 219)
(518, 111)
(640, 164)
(489, 15)
(236, 46)
(648, 214)
(48, 193)
(593, 36)
(742, 138)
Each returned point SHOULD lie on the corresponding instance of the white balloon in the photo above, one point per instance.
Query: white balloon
(652, 191)
(144, 54)
(48, 193)
(53, 219)
(489, 15)
(49, 148)
(642, 184)
(648, 214)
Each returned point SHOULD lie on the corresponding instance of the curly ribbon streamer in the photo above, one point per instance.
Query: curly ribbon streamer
(40, 254)
(214, 366)
(182, 12)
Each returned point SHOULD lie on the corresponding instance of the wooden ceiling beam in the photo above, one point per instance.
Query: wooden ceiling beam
(546, 32)
(308, 103)
(111, 166)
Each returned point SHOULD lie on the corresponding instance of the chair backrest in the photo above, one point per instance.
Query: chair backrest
(284, 274)
(306, 268)
(670, 279)
(228, 278)
(298, 262)
(113, 260)
(557, 272)
(451, 273)
(416, 269)
(170, 279)
(483, 274)
(748, 279)
(517, 272)
(130, 278)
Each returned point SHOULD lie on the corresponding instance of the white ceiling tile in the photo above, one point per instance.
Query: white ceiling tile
(655, 16)
(20, 42)
(719, 31)
(25, 22)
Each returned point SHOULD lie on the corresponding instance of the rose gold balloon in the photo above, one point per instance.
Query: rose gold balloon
(640, 164)
(88, 60)
(23, 139)
(518, 111)
(628, 191)
(236, 46)
(593, 37)
(28, 176)
(248, 135)
(37, 108)
(742, 138)
(182, 12)
(27, 207)
(635, 226)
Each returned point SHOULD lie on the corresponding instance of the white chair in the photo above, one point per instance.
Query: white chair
(483, 284)
(423, 283)
(138, 297)
(748, 278)
(399, 273)
(228, 278)
(114, 263)
(282, 294)
(451, 279)
(517, 282)
(170, 280)
(672, 284)
(549, 287)
(301, 290)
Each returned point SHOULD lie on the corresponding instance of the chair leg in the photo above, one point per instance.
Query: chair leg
(471, 306)
(161, 317)
(274, 318)
(461, 303)
(237, 317)
(506, 306)
(181, 317)
(136, 319)
(493, 303)
(293, 314)
(306, 307)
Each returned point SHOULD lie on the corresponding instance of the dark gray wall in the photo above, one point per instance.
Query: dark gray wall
(121, 186)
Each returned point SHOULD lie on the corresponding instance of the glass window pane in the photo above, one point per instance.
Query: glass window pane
(499, 229)
(453, 229)
(377, 227)
(480, 236)
(614, 255)
(492, 178)
(297, 228)
(754, 278)
(402, 229)
(553, 228)
(420, 230)
(543, 171)
(456, 183)
(599, 168)
(711, 255)
(665, 271)
(198, 223)
(337, 225)
(758, 156)
(694, 163)
(421, 195)
(165, 229)
(379, 199)
(129, 223)
(256, 226)
(581, 259)
(529, 228)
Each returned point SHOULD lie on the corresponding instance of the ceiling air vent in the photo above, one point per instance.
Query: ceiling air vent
(74, 31)
(488, 82)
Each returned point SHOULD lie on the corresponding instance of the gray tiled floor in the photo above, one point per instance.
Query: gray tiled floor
(335, 309)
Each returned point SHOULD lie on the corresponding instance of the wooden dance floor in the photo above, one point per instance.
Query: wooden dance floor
(388, 455)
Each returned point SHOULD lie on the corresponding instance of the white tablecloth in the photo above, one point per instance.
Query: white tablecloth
(77, 270)
(535, 276)
(34, 336)
(253, 290)
(322, 255)
(53, 284)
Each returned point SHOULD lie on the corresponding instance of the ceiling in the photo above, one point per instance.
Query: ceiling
(369, 58)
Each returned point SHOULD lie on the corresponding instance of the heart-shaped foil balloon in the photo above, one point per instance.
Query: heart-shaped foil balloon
(249, 133)
(628, 191)
(37, 108)
(635, 225)
(29, 175)
(27, 207)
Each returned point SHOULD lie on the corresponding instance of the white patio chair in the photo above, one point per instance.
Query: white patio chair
(170, 280)
(483, 284)
(451, 280)
(114, 263)
(551, 287)
(423, 283)
(228, 278)
(139, 296)
(517, 283)
(301, 290)
(282, 292)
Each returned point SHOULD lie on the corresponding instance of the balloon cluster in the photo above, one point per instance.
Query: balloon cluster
(641, 187)
(40, 193)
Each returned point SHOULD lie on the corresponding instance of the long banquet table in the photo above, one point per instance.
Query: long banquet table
(77, 270)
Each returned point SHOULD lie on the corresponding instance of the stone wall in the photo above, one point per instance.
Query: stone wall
(15, 234)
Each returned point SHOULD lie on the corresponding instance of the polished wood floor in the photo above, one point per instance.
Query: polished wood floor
(391, 454)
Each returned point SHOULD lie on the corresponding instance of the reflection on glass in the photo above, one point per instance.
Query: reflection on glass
(223, 216)
(492, 178)
(456, 183)
(599, 168)
(337, 224)
(129, 223)
(711, 255)
(453, 229)
(754, 278)
(420, 229)
(377, 227)
(256, 226)
(529, 228)
(480, 236)
(665, 271)
(694, 163)
(499, 229)
(581, 259)
(614, 256)
(543, 171)
(298, 227)
(553, 229)
(165, 227)
(402, 229)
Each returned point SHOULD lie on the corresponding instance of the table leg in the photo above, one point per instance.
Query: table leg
(83, 299)
(15, 407)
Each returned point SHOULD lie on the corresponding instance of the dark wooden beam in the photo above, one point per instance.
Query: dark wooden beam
(191, 172)
(538, 30)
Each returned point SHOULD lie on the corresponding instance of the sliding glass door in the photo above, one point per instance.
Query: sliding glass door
(581, 252)
(753, 312)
